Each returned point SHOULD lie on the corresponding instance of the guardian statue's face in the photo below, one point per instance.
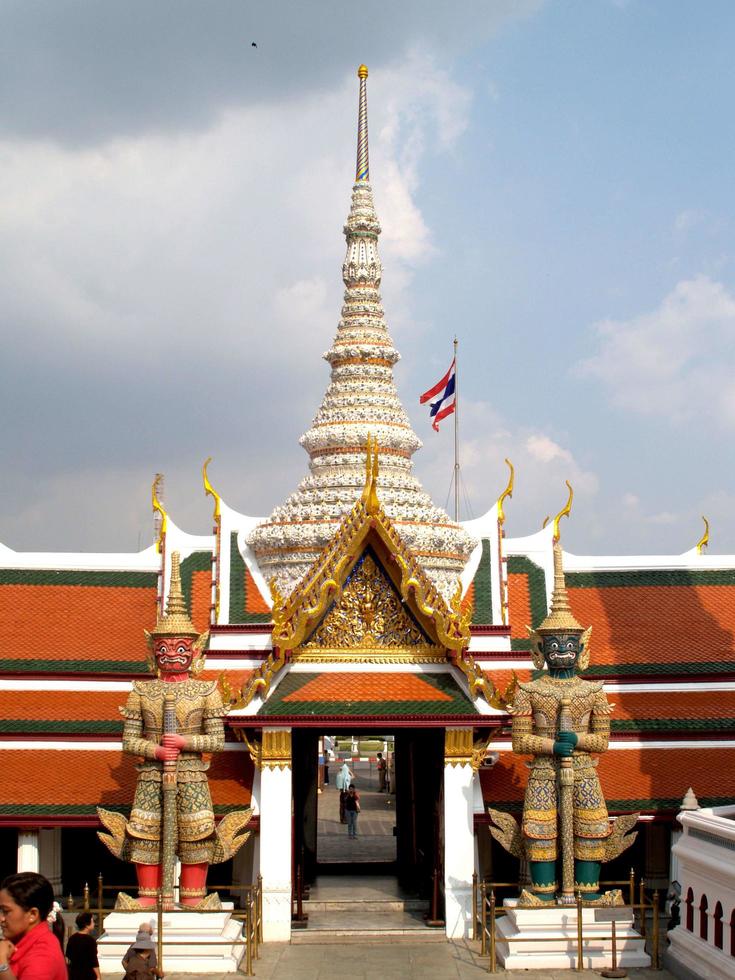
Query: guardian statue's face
(561, 651)
(173, 654)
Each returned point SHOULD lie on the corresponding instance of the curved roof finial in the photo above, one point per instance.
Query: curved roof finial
(209, 490)
(508, 492)
(159, 509)
(704, 540)
(565, 511)
(362, 171)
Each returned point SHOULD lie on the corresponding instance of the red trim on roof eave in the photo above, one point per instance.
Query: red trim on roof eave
(371, 721)
(242, 628)
(481, 629)
(73, 675)
(488, 656)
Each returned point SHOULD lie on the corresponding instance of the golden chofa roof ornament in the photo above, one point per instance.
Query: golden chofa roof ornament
(175, 621)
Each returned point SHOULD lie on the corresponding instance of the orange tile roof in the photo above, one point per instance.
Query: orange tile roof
(673, 704)
(673, 624)
(62, 705)
(201, 599)
(345, 686)
(73, 622)
(254, 601)
(78, 776)
(519, 606)
(630, 774)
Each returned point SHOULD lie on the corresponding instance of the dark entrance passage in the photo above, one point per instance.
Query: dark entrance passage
(399, 831)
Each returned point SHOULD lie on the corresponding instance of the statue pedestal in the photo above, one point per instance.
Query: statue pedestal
(217, 929)
(560, 923)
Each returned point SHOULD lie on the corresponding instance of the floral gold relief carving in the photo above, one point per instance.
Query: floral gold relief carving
(369, 616)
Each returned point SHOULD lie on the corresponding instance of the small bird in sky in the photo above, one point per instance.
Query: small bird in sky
(253, 44)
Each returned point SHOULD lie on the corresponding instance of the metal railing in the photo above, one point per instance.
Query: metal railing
(489, 913)
(251, 916)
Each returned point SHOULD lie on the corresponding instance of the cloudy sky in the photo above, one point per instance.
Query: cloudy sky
(554, 181)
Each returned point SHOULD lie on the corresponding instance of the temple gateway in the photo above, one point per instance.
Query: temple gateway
(358, 618)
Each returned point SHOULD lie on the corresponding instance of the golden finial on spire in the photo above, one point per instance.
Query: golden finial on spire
(175, 621)
(704, 540)
(545, 521)
(508, 492)
(373, 504)
(565, 511)
(210, 491)
(362, 171)
(158, 508)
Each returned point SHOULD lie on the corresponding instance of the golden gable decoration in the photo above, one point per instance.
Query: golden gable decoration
(298, 619)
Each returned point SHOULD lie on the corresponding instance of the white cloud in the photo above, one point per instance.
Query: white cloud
(677, 361)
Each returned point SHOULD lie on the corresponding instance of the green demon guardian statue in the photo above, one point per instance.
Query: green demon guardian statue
(169, 723)
(561, 721)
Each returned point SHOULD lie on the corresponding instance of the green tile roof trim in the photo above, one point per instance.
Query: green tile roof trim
(238, 589)
(690, 669)
(8, 665)
(458, 705)
(83, 809)
(673, 724)
(197, 561)
(14, 726)
(648, 577)
(50, 576)
(671, 804)
(520, 565)
(482, 612)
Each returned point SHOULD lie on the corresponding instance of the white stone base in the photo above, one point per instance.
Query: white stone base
(219, 929)
(690, 956)
(560, 923)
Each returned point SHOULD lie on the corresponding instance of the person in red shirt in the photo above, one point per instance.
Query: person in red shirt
(28, 949)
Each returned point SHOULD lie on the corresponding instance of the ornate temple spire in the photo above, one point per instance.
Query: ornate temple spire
(361, 401)
(176, 620)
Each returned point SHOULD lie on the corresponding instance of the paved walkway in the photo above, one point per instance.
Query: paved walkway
(375, 840)
(366, 961)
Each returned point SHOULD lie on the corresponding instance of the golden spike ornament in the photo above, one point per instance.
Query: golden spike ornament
(545, 521)
(565, 511)
(211, 492)
(508, 492)
(158, 508)
(704, 540)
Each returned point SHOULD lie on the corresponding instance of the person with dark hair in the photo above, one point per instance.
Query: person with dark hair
(28, 950)
(56, 923)
(81, 950)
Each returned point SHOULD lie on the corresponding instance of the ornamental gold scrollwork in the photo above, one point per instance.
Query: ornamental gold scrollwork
(368, 616)
(273, 751)
(458, 747)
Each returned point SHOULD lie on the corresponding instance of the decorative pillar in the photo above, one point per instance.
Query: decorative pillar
(50, 857)
(272, 757)
(28, 851)
(459, 836)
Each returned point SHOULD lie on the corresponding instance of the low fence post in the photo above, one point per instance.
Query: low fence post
(100, 902)
(85, 897)
(580, 947)
(159, 928)
(483, 919)
(260, 908)
(492, 931)
(642, 903)
(474, 905)
(632, 886)
(655, 936)
(248, 939)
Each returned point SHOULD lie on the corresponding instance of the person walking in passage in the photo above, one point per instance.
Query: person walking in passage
(81, 950)
(342, 781)
(352, 808)
(28, 949)
(382, 767)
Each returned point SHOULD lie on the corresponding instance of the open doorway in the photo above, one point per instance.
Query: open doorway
(356, 808)
(399, 829)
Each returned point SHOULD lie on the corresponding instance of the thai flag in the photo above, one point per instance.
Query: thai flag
(442, 397)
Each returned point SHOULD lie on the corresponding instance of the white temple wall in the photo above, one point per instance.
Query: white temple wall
(705, 854)
(274, 848)
(459, 847)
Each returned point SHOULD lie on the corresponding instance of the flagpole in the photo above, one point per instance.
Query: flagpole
(456, 432)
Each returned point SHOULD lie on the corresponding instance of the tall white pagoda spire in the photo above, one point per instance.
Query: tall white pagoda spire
(361, 400)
